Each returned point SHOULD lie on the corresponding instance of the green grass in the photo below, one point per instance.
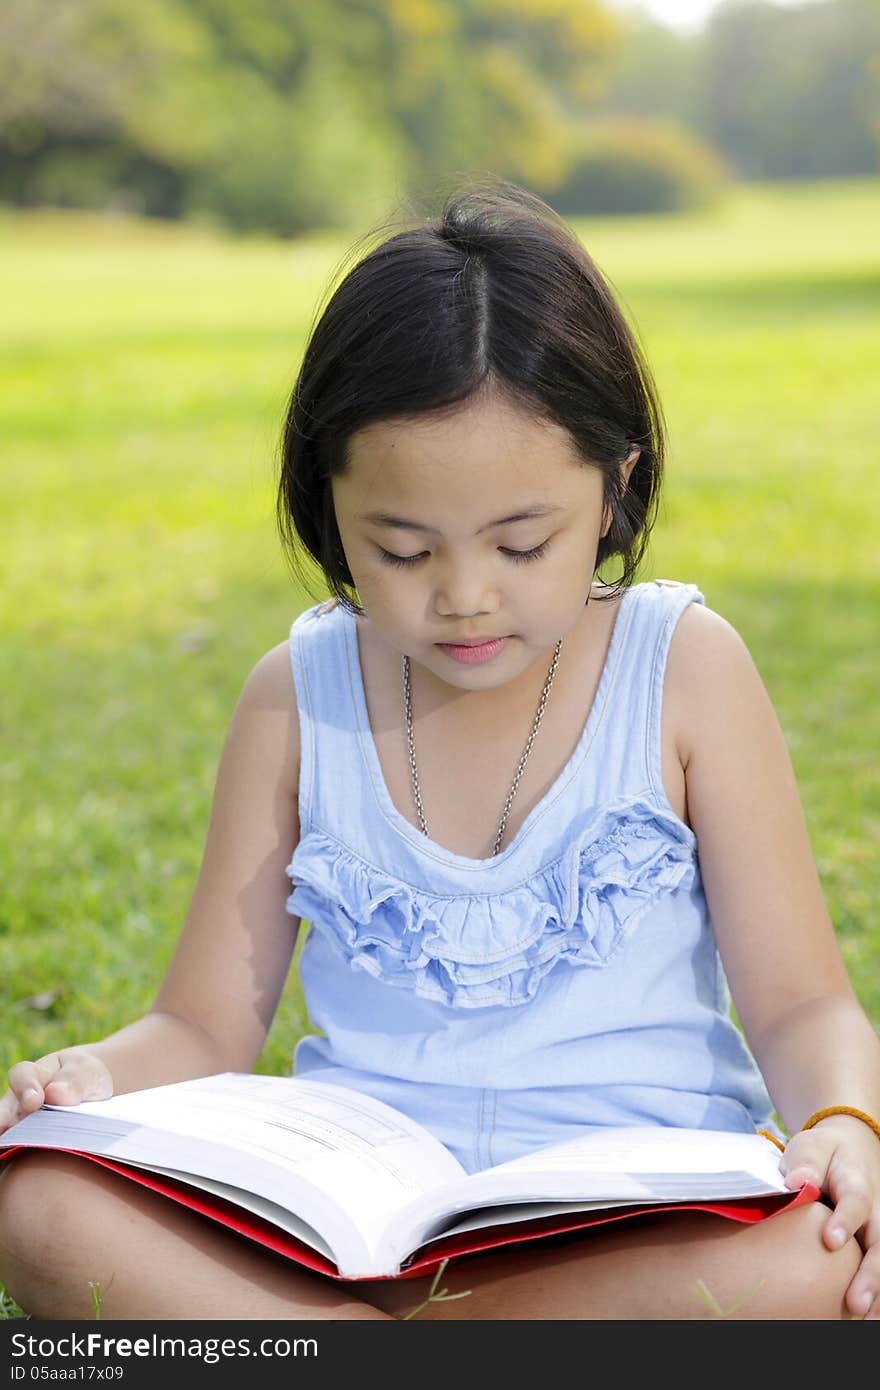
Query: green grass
(143, 375)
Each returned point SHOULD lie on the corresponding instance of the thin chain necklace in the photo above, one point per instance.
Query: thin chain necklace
(407, 704)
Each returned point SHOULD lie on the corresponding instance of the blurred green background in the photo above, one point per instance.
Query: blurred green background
(179, 180)
(289, 116)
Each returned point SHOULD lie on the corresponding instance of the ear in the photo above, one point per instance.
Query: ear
(629, 463)
(626, 467)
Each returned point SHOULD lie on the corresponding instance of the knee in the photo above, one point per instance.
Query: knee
(38, 1220)
(27, 1202)
(813, 1281)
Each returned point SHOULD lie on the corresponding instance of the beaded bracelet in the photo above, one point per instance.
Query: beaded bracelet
(842, 1110)
(765, 1134)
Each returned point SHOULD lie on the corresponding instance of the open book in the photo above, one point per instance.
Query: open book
(353, 1188)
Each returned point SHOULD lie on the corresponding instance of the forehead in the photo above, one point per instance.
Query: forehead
(468, 453)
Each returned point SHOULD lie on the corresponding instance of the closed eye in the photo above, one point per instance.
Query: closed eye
(518, 556)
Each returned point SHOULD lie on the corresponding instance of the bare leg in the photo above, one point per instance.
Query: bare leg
(66, 1223)
(689, 1265)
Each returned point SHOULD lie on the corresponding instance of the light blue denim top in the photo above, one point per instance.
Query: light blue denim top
(571, 980)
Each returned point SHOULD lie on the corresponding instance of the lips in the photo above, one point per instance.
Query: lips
(474, 654)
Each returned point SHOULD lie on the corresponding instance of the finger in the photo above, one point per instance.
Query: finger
(28, 1080)
(852, 1207)
(10, 1110)
(80, 1077)
(851, 1195)
(806, 1159)
(14, 1107)
(863, 1295)
(873, 1309)
(799, 1177)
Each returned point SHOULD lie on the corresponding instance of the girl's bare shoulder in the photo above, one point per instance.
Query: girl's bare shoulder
(708, 663)
(707, 657)
(269, 695)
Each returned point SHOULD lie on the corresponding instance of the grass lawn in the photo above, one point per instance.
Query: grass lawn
(144, 369)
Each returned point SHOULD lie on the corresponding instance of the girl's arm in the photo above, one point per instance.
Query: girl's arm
(217, 1001)
(810, 1037)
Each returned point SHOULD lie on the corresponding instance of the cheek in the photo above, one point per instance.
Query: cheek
(381, 587)
(366, 568)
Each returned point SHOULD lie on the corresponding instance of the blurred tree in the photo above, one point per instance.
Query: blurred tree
(292, 164)
(292, 114)
(485, 84)
(97, 94)
(656, 72)
(794, 93)
(287, 113)
(625, 164)
(781, 93)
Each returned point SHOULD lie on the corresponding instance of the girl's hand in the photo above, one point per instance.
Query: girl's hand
(841, 1155)
(60, 1078)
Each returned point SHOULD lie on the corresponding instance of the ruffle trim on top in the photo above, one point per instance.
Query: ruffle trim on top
(473, 950)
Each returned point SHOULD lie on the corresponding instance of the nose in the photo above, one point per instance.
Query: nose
(463, 592)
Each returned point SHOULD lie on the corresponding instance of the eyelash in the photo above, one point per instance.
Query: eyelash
(518, 556)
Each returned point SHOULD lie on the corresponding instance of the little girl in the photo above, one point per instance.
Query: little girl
(536, 823)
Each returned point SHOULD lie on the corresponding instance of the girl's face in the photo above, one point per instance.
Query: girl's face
(480, 522)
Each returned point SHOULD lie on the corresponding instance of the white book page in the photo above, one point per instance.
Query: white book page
(249, 1201)
(505, 1215)
(342, 1161)
(603, 1168)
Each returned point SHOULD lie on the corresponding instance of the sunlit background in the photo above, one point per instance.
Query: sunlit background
(290, 117)
(688, 16)
(179, 180)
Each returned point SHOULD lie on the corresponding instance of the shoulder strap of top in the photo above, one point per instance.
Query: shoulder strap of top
(632, 750)
(667, 599)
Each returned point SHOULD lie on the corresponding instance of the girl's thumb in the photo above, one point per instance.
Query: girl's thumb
(46, 1068)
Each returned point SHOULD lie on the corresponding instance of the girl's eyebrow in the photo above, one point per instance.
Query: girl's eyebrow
(399, 524)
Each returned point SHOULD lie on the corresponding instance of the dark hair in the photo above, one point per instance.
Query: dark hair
(496, 291)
